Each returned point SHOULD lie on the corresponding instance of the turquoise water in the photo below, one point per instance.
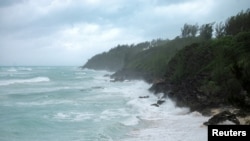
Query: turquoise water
(70, 104)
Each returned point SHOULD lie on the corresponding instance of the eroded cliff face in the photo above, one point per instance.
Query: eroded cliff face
(201, 73)
(198, 76)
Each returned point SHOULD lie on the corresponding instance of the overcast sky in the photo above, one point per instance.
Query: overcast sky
(69, 32)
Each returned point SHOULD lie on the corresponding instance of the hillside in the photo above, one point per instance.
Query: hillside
(115, 58)
(144, 60)
(200, 71)
(151, 64)
(210, 75)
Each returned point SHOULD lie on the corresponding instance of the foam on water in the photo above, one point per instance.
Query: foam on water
(15, 69)
(166, 122)
(186, 127)
(12, 70)
(114, 113)
(47, 102)
(84, 105)
(131, 121)
(73, 116)
(19, 81)
(24, 69)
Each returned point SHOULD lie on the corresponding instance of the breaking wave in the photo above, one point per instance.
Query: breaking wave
(20, 81)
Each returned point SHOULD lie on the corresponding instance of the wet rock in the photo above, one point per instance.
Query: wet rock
(222, 117)
(155, 104)
(160, 101)
(144, 96)
(97, 87)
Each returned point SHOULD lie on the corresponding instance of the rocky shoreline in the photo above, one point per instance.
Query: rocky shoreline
(199, 72)
(186, 94)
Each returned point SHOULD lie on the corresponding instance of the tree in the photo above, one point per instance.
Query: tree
(206, 31)
(238, 23)
(185, 31)
(219, 30)
(189, 30)
(240, 56)
(194, 30)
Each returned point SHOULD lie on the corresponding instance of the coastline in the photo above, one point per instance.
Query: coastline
(210, 110)
(163, 129)
(200, 72)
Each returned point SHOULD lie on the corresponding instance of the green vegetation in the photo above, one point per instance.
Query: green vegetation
(115, 58)
(112, 61)
(118, 57)
(223, 63)
(220, 66)
(153, 60)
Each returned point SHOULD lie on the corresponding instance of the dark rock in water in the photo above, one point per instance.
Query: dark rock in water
(90, 89)
(144, 96)
(221, 117)
(97, 87)
(159, 102)
(156, 105)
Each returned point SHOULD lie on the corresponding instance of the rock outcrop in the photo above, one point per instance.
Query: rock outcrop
(222, 117)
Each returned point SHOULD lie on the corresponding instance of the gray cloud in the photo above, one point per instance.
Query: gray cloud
(68, 32)
(4, 3)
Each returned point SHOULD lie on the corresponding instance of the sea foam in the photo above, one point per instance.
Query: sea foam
(20, 81)
(16, 69)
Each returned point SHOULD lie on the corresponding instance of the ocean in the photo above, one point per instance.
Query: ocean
(71, 104)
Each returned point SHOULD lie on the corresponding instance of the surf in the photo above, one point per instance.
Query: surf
(21, 81)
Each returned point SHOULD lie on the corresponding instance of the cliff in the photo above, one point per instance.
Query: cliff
(200, 72)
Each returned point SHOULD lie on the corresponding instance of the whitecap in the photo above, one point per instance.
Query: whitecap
(173, 128)
(12, 70)
(44, 103)
(20, 81)
(73, 116)
(134, 120)
(112, 113)
(24, 69)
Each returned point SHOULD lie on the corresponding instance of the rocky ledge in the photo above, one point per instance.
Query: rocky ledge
(187, 93)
